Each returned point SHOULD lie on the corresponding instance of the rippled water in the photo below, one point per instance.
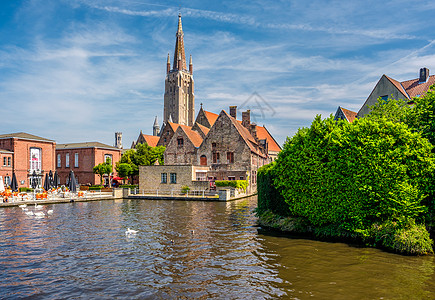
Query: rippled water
(81, 251)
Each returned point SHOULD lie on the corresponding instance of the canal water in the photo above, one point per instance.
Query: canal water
(189, 250)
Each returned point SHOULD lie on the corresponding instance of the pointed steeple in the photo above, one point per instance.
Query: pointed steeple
(179, 48)
(168, 65)
(156, 127)
(170, 119)
(191, 66)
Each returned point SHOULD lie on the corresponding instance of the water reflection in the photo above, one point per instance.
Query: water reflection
(189, 250)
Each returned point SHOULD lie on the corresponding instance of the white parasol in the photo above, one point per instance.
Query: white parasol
(2, 185)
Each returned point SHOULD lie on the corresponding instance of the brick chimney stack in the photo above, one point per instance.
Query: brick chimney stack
(253, 130)
(424, 74)
(246, 118)
(233, 112)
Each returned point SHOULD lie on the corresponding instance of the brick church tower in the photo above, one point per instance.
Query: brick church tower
(179, 103)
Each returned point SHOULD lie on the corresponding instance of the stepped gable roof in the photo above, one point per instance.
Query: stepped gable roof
(204, 129)
(85, 145)
(350, 115)
(264, 134)
(193, 136)
(24, 136)
(211, 117)
(151, 140)
(416, 89)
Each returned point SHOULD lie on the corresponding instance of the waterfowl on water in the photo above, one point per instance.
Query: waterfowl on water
(130, 231)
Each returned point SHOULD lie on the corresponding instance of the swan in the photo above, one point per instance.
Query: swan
(49, 212)
(22, 205)
(38, 206)
(130, 231)
(29, 213)
(39, 214)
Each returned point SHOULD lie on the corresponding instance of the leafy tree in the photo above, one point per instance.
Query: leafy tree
(355, 175)
(143, 155)
(103, 168)
(123, 169)
(395, 110)
(424, 115)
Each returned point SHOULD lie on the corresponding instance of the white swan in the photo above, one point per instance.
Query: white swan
(29, 213)
(130, 231)
(49, 212)
(39, 214)
(22, 205)
(38, 206)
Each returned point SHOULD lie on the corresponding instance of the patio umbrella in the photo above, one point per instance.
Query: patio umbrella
(2, 185)
(34, 181)
(50, 178)
(14, 183)
(72, 185)
(55, 179)
(46, 182)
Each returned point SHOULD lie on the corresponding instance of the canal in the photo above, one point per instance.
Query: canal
(188, 250)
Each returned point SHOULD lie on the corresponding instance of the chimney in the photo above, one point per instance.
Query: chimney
(253, 130)
(246, 118)
(118, 140)
(233, 112)
(168, 65)
(424, 74)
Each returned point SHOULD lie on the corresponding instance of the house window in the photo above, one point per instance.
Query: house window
(241, 178)
(108, 156)
(203, 160)
(9, 161)
(58, 161)
(230, 157)
(216, 157)
(180, 141)
(5, 161)
(213, 145)
(67, 160)
(384, 98)
(76, 160)
(35, 159)
(173, 177)
(231, 177)
(201, 176)
(164, 177)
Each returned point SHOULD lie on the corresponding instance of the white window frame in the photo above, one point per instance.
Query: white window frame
(67, 160)
(76, 160)
(59, 161)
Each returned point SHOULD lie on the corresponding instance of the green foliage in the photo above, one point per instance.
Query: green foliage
(103, 168)
(129, 186)
(238, 184)
(143, 155)
(269, 197)
(423, 119)
(96, 187)
(123, 169)
(185, 189)
(394, 110)
(25, 189)
(354, 175)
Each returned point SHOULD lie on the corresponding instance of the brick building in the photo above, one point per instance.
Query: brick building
(23, 154)
(81, 158)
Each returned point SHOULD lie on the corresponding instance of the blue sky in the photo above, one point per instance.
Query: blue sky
(80, 70)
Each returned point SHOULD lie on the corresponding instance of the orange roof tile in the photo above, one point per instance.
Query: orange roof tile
(211, 117)
(263, 134)
(151, 140)
(416, 89)
(204, 129)
(350, 115)
(193, 136)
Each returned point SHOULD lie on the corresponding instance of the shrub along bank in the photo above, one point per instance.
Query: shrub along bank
(366, 181)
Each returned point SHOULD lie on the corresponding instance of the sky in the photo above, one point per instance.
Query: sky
(81, 70)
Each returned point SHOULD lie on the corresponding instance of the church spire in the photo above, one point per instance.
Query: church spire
(179, 48)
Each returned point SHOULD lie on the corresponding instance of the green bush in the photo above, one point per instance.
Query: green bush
(96, 187)
(185, 189)
(238, 184)
(129, 186)
(269, 197)
(25, 189)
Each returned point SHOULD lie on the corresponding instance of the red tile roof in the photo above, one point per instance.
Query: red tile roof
(193, 136)
(204, 129)
(398, 85)
(151, 140)
(350, 115)
(211, 117)
(263, 134)
(416, 89)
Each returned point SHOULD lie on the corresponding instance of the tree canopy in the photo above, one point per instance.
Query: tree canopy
(103, 168)
(142, 155)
